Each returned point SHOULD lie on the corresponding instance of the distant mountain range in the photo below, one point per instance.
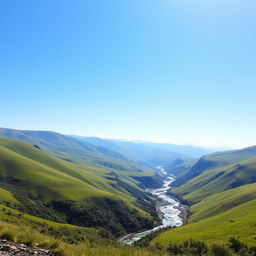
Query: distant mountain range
(93, 148)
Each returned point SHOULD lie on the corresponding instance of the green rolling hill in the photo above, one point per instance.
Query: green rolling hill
(237, 222)
(81, 152)
(221, 190)
(214, 161)
(43, 185)
(217, 172)
(222, 202)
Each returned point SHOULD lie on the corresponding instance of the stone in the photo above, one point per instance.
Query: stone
(6, 248)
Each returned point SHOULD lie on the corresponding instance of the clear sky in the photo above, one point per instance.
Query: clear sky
(181, 71)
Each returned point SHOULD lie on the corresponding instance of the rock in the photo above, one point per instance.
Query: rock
(6, 248)
(11, 249)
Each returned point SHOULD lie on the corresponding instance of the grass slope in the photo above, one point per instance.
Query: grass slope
(222, 202)
(238, 221)
(216, 160)
(81, 152)
(62, 239)
(222, 193)
(218, 180)
(87, 195)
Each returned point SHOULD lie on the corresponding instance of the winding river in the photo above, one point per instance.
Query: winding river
(168, 209)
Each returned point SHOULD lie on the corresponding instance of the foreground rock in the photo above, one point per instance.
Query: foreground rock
(9, 248)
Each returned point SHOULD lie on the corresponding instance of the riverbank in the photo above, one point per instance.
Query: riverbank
(184, 209)
(169, 209)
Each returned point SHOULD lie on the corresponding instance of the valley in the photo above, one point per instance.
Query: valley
(169, 210)
(111, 196)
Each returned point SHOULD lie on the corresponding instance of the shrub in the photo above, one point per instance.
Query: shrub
(7, 235)
(174, 249)
(252, 251)
(197, 248)
(235, 245)
(219, 250)
(27, 237)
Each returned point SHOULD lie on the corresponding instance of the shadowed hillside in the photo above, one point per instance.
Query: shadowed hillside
(40, 184)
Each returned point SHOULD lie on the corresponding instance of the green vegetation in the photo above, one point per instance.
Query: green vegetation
(222, 194)
(239, 220)
(78, 151)
(77, 198)
(216, 160)
(199, 248)
(29, 236)
(62, 239)
(218, 180)
(222, 202)
(69, 240)
(43, 185)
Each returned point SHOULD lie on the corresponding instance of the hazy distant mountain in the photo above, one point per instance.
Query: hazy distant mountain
(188, 150)
(148, 153)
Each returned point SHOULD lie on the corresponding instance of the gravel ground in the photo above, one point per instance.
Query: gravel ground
(9, 248)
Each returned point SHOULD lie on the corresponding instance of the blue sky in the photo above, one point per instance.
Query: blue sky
(181, 71)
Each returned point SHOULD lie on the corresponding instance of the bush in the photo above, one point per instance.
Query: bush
(27, 237)
(7, 235)
(252, 251)
(235, 245)
(197, 248)
(189, 247)
(219, 250)
(174, 249)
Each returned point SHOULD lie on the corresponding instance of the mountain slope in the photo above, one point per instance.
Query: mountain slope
(222, 202)
(81, 152)
(238, 221)
(222, 195)
(218, 180)
(216, 160)
(188, 150)
(150, 154)
(58, 190)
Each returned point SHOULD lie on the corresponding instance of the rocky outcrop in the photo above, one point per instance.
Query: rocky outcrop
(9, 248)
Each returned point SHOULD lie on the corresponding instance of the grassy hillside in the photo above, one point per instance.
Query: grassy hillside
(80, 152)
(222, 194)
(62, 239)
(238, 221)
(218, 180)
(216, 160)
(222, 202)
(43, 185)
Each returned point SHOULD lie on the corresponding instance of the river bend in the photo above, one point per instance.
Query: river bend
(168, 209)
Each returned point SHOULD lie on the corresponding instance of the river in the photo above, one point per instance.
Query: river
(168, 209)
